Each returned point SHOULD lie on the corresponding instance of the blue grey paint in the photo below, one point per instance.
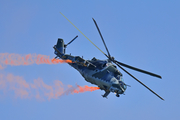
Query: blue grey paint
(102, 73)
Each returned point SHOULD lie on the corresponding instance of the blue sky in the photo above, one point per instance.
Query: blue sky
(143, 34)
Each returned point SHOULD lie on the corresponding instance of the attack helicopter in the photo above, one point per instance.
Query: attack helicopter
(103, 73)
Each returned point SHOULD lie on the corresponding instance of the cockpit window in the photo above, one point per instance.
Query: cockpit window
(104, 65)
(118, 77)
(121, 78)
(99, 64)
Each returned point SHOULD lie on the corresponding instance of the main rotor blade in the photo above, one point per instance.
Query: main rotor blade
(139, 70)
(139, 81)
(84, 35)
(101, 37)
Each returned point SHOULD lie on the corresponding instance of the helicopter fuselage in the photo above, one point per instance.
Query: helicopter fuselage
(102, 73)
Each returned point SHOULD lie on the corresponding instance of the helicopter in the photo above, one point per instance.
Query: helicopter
(103, 73)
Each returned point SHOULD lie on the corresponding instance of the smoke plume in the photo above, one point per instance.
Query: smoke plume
(29, 59)
(19, 88)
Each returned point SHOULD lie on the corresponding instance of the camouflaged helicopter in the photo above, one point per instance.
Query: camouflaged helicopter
(102, 73)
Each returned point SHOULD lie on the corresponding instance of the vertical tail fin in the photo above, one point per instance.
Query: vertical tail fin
(60, 45)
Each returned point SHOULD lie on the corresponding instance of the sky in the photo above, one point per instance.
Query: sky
(144, 34)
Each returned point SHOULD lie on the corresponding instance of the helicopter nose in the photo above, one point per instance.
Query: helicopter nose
(122, 86)
(119, 85)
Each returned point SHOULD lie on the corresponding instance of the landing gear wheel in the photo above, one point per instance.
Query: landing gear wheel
(117, 95)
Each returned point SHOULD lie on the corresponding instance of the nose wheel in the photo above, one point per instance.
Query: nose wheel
(117, 95)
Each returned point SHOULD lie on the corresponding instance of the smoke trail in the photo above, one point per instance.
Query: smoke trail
(16, 85)
(85, 88)
(29, 59)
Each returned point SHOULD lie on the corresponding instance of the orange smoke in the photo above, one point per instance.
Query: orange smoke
(29, 59)
(16, 85)
(85, 88)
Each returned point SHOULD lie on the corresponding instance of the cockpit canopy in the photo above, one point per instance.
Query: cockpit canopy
(100, 64)
(111, 69)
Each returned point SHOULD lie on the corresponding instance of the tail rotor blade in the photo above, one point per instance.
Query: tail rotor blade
(70, 41)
